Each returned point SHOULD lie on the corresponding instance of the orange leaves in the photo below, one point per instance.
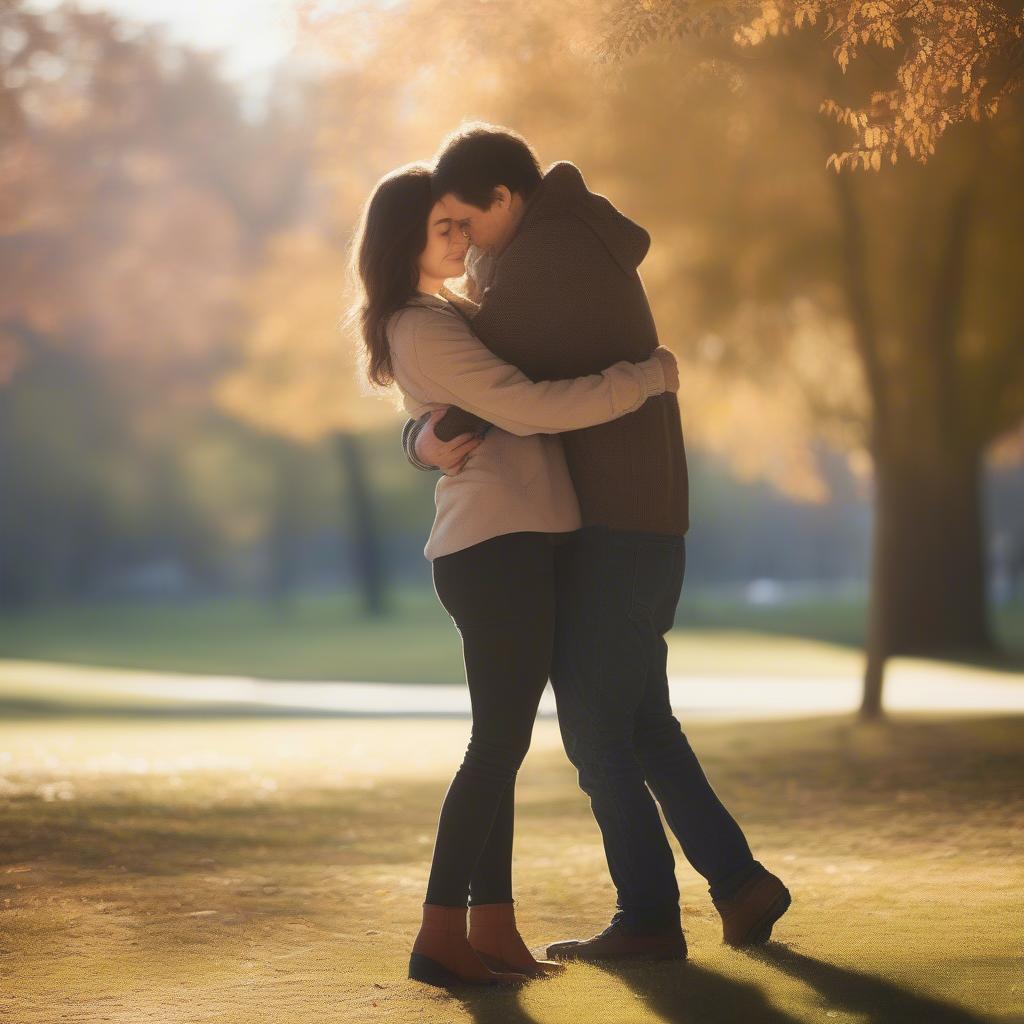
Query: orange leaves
(941, 78)
(862, 158)
(805, 13)
(940, 81)
(767, 23)
(947, 55)
(872, 139)
(125, 211)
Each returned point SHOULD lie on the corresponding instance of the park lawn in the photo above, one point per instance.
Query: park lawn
(271, 870)
(310, 637)
(326, 637)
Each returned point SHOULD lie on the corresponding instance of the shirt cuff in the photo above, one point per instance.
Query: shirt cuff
(410, 432)
(654, 376)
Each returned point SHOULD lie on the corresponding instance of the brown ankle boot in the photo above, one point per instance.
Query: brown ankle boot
(749, 915)
(496, 939)
(442, 955)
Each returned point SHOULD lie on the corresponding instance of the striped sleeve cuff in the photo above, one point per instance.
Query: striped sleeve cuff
(654, 376)
(410, 432)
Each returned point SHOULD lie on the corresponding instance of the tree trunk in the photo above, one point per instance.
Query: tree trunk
(369, 564)
(928, 592)
(15, 554)
(282, 554)
(17, 568)
(928, 586)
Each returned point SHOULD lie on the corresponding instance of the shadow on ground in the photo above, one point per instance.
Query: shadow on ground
(688, 993)
(827, 772)
(878, 1000)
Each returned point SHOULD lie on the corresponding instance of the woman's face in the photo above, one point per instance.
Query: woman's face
(445, 253)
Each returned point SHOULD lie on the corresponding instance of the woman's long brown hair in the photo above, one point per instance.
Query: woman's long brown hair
(391, 236)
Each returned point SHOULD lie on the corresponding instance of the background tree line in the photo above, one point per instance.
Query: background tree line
(174, 381)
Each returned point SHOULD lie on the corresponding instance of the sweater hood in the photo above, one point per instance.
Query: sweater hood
(563, 190)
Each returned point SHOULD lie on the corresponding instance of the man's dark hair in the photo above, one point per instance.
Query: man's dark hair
(477, 158)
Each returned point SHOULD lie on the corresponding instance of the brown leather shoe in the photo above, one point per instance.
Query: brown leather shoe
(748, 916)
(442, 955)
(617, 942)
(496, 940)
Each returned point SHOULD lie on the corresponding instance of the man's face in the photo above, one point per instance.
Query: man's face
(490, 230)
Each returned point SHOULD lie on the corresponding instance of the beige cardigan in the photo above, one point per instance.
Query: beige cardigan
(517, 478)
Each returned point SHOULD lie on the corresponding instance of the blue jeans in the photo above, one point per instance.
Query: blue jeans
(616, 598)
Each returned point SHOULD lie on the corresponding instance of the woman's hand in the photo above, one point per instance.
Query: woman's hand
(669, 366)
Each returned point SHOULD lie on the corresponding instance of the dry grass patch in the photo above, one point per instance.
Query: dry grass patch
(242, 871)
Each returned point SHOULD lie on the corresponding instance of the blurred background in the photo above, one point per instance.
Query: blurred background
(212, 808)
(192, 475)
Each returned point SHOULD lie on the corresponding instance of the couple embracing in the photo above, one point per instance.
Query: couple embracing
(558, 545)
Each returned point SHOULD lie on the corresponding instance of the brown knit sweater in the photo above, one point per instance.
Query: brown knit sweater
(566, 300)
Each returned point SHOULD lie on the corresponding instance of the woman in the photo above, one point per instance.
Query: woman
(491, 548)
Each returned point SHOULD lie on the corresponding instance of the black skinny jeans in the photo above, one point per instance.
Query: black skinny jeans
(501, 595)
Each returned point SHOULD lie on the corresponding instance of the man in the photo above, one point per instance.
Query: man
(563, 298)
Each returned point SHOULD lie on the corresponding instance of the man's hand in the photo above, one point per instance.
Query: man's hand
(448, 456)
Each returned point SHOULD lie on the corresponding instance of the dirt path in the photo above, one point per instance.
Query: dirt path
(910, 686)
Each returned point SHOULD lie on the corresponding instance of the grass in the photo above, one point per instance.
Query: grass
(327, 637)
(269, 870)
(309, 638)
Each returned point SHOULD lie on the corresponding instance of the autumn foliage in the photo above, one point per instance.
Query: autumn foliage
(190, 262)
(948, 62)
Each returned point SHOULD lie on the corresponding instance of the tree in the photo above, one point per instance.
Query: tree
(299, 377)
(950, 62)
(881, 312)
(133, 194)
(955, 64)
(111, 240)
